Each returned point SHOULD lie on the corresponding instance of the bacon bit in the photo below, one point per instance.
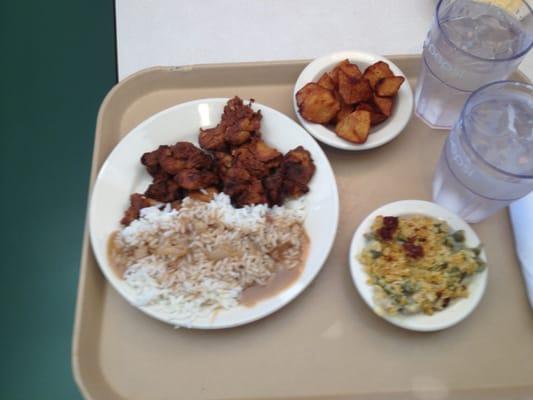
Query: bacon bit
(384, 233)
(390, 224)
(413, 250)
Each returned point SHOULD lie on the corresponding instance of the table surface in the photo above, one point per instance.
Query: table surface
(60, 64)
(182, 32)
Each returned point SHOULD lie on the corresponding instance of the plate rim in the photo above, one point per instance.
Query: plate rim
(113, 280)
(323, 134)
(411, 207)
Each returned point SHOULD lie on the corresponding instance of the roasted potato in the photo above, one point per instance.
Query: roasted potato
(344, 111)
(377, 71)
(384, 104)
(326, 82)
(350, 69)
(355, 127)
(334, 76)
(388, 87)
(303, 92)
(353, 90)
(319, 105)
(376, 117)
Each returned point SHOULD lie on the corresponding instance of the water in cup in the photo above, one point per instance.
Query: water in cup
(485, 31)
(487, 161)
(471, 43)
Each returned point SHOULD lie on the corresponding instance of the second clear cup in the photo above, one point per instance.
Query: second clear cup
(487, 161)
(470, 44)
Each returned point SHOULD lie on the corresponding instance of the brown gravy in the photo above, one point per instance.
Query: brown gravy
(111, 255)
(251, 295)
(282, 280)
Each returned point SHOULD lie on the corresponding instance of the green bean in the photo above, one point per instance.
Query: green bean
(375, 254)
(369, 236)
(401, 239)
(481, 265)
(459, 236)
(408, 287)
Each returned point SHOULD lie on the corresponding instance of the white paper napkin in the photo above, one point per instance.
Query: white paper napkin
(521, 213)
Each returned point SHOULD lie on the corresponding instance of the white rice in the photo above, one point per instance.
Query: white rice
(190, 263)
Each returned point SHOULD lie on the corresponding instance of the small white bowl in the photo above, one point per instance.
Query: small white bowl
(459, 309)
(379, 134)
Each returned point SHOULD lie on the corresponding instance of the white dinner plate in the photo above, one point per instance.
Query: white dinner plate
(123, 174)
(379, 134)
(458, 309)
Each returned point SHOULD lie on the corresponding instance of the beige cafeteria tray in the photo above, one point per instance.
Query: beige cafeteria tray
(327, 344)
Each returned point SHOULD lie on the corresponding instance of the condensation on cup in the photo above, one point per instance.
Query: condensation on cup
(470, 44)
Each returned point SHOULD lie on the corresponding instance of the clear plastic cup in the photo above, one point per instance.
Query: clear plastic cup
(470, 44)
(487, 160)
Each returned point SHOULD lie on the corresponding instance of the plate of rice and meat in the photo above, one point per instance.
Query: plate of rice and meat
(213, 213)
(418, 265)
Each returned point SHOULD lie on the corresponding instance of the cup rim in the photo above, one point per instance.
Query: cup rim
(467, 134)
(514, 57)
